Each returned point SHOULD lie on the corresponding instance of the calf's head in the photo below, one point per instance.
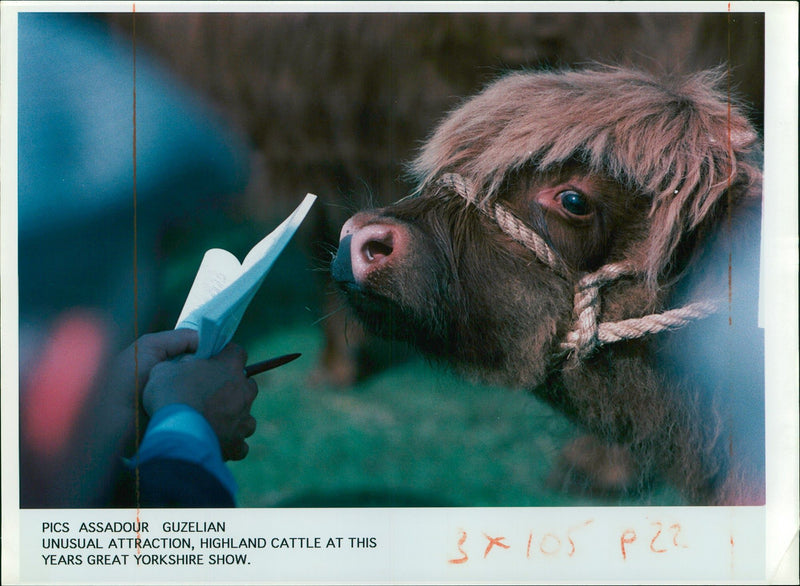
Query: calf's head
(539, 189)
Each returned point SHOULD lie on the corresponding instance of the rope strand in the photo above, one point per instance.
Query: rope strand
(507, 221)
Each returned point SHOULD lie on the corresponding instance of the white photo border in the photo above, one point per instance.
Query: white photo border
(422, 545)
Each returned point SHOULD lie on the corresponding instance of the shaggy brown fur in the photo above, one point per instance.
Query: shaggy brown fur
(607, 165)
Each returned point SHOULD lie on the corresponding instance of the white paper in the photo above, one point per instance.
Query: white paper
(223, 288)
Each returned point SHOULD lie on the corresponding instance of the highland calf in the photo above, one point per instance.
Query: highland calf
(592, 236)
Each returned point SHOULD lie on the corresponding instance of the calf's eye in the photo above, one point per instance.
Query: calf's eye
(573, 202)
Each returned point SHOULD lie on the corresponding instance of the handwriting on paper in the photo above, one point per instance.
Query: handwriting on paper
(653, 537)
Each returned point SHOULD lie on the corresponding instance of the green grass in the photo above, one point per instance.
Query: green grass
(411, 434)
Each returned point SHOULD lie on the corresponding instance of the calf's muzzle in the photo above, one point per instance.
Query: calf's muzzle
(367, 243)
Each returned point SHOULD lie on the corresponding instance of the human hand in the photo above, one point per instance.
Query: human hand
(216, 387)
(137, 360)
(119, 404)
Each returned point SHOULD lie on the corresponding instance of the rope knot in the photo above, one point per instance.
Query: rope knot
(588, 334)
(585, 335)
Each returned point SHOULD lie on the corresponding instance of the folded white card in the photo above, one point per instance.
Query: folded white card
(223, 288)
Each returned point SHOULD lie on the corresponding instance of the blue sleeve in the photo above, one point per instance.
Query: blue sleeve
(178, 432)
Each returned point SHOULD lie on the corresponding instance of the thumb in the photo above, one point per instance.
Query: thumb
(172, 343)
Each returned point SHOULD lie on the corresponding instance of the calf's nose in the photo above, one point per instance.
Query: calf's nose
(372, 246)
(366, 247)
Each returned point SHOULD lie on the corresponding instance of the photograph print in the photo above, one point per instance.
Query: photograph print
(530, 277)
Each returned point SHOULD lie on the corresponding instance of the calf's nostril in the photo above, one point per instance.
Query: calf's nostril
(377, 249)
(374, 246)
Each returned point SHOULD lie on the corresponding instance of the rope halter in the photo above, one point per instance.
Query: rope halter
(586, 334)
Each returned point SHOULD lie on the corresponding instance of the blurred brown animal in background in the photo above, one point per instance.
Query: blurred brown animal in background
(562, 226)
(336, 103)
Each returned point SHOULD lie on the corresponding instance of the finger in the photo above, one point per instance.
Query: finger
(238, 451)
(247, 426)
(170, 343)
(252, 393)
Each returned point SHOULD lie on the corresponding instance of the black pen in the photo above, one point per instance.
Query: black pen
(263, 366)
